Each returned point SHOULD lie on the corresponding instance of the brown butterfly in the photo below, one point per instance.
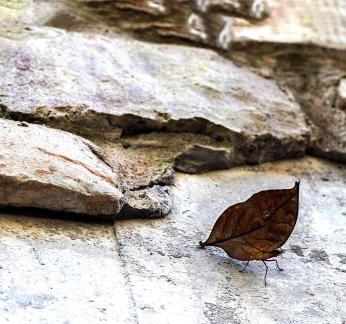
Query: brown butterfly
(256, 228)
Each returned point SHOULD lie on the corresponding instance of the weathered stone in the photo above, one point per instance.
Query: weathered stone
(178, 151)
(170, 276)
(199, 158)
(155, 201)
(51, 169)
(324, 24)
(139, 168)
(61, 271)
(316, 82)
(121, 86)
(341, 95)
(225, 24)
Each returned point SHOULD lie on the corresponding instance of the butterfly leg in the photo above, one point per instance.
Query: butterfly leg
(247, 263)
(201, 246)
(277, 264)
(265, 276)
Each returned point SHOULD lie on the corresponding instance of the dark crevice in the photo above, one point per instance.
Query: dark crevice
(46, 213)
(263, 148)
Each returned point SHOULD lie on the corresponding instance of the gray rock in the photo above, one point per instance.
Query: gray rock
(170, 276)
(199, 158)
(155, 201)
(51, 169)
(178, 152)
(115, 86)
(320, 93)
(159, 271)
(61, 271)
(225, 24)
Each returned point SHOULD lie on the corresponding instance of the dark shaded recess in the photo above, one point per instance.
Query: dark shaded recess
(199, 159)
(132, 125)
(268, 148)
(64, 20)
(144, 22)
(50, 214)
(129, 123)
(330, 155)
(262, 148)
(129, 212)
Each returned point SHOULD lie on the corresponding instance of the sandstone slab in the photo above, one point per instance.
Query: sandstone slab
(51, 169)
(118, 86)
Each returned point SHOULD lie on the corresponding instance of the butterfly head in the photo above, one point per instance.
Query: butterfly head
(278, 252)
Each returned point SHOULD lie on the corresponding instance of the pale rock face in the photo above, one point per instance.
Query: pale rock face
(121, 86)
(51, 169)
(341, 95)
(324, 24)
(170, 277)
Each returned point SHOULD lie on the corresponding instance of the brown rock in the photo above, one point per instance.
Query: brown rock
(51, 169)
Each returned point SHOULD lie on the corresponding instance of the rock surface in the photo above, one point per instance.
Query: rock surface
(51, 169)
(149, 109)
(121, 86)
(198, 158)
(225, 24)
(316, 81)
(232, 25)
(55, 271)
(152, 271)
(171, 278)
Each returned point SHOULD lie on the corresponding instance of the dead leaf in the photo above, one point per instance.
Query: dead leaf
(257, 227)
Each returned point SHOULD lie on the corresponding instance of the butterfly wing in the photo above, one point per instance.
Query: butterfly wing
(253, 229)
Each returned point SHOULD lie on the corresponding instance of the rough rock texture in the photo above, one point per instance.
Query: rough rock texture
(316, 81)
(202, 158)
(171, 278)
(224, 23)
(152, 108)
(52, 169)
(155, 201)
(117, 85)
(54, 271)
(186, 152)
(139, 167)
(234, 26)
(152, 271)
(245, 27)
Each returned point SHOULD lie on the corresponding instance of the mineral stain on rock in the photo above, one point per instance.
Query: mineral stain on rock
(319, 256)
(297, 250)
(342, 258)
